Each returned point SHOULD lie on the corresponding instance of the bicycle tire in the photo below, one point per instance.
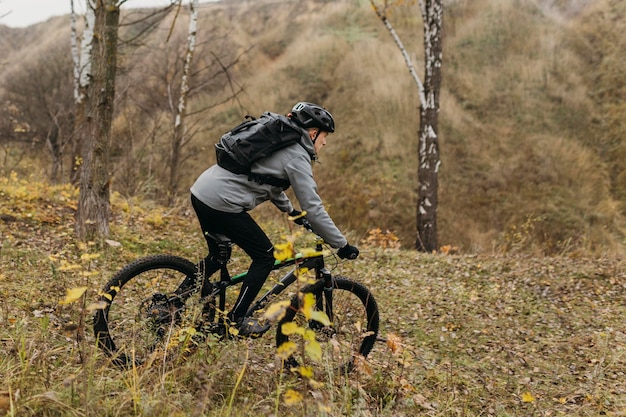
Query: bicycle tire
(125, 327)
(354, 328)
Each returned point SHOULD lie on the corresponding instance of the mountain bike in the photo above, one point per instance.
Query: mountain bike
(161, 305)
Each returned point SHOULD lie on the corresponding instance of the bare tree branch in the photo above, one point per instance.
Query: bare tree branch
(382, 15)
(230, 80)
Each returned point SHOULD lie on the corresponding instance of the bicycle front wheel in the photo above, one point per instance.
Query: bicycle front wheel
(354, 318)
(143, 316)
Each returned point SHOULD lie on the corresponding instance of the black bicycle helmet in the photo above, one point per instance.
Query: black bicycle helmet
(310, 115)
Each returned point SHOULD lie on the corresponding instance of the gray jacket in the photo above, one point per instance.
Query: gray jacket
(224, 191)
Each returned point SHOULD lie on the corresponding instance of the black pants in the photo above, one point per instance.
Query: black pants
(245, 233)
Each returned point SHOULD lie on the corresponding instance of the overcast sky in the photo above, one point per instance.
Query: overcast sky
(22, 13)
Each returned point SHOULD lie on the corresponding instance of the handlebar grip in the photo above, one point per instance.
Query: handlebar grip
(302, 221)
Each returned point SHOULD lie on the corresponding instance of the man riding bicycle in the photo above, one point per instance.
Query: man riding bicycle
(222, 199)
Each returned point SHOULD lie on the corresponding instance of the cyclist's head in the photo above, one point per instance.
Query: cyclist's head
(309, 115)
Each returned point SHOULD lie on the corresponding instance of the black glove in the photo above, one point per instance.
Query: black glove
(296, 213)
(348, 252)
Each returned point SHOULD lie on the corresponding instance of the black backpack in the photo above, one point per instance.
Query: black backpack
(253, 140)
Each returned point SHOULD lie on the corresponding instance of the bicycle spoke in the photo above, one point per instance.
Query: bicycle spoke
(145, 317)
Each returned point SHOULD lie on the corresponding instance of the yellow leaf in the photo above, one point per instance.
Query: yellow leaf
(73, 295)
(100, 305)
(69, 267)
(527, 397)
(283, 251)
(292, 397)
(290, 328)
(89, 256)
(286, 350)
(299, 216)
(308, 303)
(306, 372)
(321, 317)
(310, 253)
(233, 330)
(276, 311)
(304, 277)
(314, 350)
(309, 335)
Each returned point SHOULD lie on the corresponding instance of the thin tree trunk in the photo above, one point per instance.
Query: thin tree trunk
(55, 149)
(178, 138)
(429, 159)
(82, 77)
(428, 149)
(94, 206)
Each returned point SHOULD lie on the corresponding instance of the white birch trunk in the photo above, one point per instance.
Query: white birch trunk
(82, 77)
(82, 67)
(191, 44)
(428, 149)
(179, 137)
(74, 49)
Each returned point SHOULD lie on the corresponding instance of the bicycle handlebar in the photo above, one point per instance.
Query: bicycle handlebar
(302, 221)
(307, 225)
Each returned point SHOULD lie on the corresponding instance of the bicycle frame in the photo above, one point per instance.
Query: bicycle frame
(313, 261)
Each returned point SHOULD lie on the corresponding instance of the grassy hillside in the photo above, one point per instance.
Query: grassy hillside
(462, 335)
(520, 130)
(530, 124)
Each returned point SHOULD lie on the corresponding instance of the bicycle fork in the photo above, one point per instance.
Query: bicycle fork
(325, 297)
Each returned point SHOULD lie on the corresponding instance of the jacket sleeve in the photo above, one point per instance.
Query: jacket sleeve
(281, 201)
(300, 175)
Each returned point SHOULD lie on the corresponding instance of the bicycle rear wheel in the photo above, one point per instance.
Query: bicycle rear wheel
(354, 318)
(143, 318)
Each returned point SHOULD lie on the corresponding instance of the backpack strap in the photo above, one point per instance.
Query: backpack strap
(268, 179)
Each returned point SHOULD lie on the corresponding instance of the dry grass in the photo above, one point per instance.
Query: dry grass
(531, 94)
(465, 335)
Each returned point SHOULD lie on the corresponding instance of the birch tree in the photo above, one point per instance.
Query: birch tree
(81, 57)
(92, 216)
(429, 91)
(179, 137)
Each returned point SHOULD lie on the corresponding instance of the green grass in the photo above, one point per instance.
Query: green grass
(508, 335)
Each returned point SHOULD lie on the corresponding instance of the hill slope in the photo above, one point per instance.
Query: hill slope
(522, 169)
